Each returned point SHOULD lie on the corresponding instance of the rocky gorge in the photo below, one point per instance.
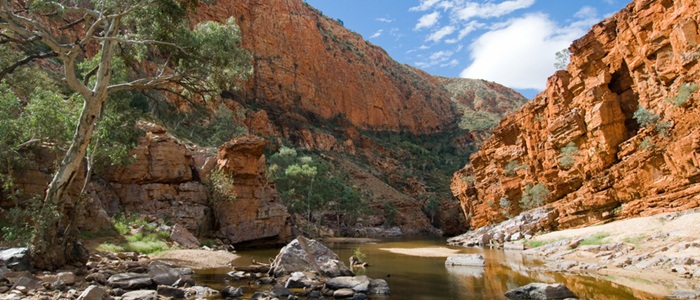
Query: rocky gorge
(613, 136)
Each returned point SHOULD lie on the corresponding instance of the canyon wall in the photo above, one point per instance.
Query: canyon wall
(615, 135)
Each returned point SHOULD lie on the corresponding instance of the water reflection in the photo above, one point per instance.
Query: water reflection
(411, 277)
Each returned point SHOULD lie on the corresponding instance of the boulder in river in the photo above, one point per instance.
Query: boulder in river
(466, 260)
(540, 291)
(357, 283)
(303, 254)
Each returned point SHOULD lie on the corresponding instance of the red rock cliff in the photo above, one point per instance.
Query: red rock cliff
(580, 137)
(307, 63)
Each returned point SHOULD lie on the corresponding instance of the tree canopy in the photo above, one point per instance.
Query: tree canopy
(101, 49)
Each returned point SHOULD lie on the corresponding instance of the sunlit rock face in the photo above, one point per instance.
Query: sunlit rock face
(580, 138)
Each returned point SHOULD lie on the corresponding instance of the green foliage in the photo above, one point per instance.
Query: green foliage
(534, 244)
(512, 167)
(534, 196)
(646, 144)
(567, 154)
(478, 120)
(221, 187)
(18, 223)
(504, 203)
(562, 58)
(636, 239)
(596, 239)
(432, 207)
(308, 185)
(645, 118)
(357, 252)
(147, 239)
(390, 212)
(684, 93)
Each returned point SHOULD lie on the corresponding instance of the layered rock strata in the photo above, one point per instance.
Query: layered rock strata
(613, 136)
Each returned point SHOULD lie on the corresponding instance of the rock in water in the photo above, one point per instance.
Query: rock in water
(540, 291)
(467, 260)
(303, 254)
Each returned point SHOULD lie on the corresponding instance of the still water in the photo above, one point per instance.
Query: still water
(412, 277)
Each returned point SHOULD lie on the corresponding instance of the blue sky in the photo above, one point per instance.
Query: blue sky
(512, 42)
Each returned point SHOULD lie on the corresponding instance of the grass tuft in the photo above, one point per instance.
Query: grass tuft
(596, 239)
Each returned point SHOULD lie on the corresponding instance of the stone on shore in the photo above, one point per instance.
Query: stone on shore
(540, 291)
(16, 259)
(140, 295)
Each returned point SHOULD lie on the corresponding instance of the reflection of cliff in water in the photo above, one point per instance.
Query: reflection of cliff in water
(418, 278)
(508, 270)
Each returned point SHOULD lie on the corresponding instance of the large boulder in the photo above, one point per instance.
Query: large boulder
(303, 254)
(540, 291)
(16, 259)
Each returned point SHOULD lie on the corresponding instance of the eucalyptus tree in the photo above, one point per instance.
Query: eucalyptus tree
(151, 41)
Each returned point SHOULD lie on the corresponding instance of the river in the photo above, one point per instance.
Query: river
(412, 277)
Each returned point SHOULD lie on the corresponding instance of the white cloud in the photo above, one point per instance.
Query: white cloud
(452, 63)
(377, 34)
(385, 20)
(427, 21)
(440, 34)
(469, 10)
(424, 5)
(466, 30)
(520, 53)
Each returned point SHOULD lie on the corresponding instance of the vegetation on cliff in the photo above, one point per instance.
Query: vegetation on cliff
(111, 38)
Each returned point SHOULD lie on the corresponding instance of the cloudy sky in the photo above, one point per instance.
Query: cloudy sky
(512, 42)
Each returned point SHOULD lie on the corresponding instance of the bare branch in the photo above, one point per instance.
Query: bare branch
(25, 61)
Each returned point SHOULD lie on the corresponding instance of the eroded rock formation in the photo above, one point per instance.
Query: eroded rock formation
(171, 180)
(580, 137)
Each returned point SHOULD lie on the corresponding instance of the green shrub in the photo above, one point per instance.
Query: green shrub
(566, 159)
(684, 93)
(534, 196)
(110, 247)
(644, 117)
(535, 244)
(646, 144)
(221, 187)
(596, 239)
(478, 120)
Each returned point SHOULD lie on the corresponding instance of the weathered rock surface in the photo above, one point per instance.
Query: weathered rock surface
(303, 254)
(297, 48)
(256, 212)
(522, 226)
(16, 259)
(465, 260)
(618, 167)
(540, 291)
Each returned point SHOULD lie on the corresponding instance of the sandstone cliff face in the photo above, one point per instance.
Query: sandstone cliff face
(580, 137)
(171, 180)
(321, 87)
(309, 64)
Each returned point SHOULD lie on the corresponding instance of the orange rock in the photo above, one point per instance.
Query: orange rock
(641, 56)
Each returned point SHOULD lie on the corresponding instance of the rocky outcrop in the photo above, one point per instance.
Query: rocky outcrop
(615, 135)
(171, 180)
(255, 212)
